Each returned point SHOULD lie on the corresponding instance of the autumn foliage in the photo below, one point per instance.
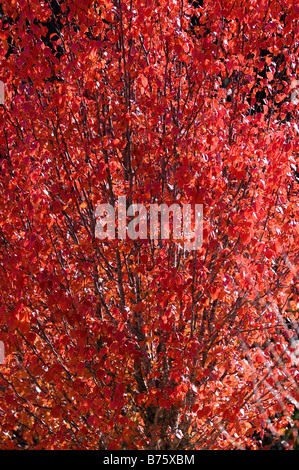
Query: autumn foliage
(123, 344)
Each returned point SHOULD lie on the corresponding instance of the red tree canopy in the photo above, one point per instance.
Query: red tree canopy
(141, 344)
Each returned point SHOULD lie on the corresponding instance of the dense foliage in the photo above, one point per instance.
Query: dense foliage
(140, 344)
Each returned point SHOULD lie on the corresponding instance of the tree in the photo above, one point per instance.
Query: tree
(140, 344)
